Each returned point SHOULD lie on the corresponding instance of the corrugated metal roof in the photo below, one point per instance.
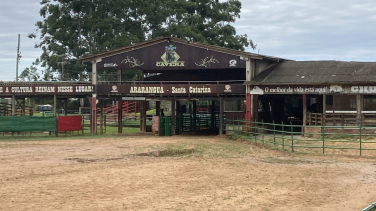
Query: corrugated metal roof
(195, 44)
(317, 72)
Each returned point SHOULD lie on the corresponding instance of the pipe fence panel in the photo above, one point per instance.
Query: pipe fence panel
(319, 139)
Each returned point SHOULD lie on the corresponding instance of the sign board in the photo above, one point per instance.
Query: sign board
(171, 89)
(170, 56)
(46, 89)
(307, 89)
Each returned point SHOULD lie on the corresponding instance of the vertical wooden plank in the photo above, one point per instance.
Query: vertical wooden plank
(304, 113)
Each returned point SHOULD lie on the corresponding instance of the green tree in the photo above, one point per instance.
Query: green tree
(206, 21)
(71, 29)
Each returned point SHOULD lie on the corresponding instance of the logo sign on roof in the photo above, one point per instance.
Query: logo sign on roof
(170, 58)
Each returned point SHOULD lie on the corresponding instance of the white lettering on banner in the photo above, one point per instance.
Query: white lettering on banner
(1, 89)
(44, 89)
(299, 89)
(172, 64)
(110, 65)
(291, 90)
(199, 89)
(84, 88)
(179, 90)
(363, 89)
(6, 89)
(65, 89)
(321, 90)
(21, 89)
(146, 90)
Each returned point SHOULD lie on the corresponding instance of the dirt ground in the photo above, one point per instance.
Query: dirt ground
(214, 174)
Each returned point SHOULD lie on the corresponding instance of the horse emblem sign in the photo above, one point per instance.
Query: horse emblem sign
(170, 58)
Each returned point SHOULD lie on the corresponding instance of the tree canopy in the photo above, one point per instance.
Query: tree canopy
(71, 29)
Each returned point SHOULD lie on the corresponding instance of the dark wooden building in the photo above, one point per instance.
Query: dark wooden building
(316, 93)
(179, 71)
(259, 87)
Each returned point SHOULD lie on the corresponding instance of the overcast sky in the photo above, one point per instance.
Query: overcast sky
(293, 29)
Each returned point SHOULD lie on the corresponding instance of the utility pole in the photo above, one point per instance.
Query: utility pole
(18, 57)
(62, 67)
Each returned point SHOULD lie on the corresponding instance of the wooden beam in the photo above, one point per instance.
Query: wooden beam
(304, 112)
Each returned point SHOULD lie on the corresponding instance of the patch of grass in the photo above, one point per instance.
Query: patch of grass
(114, 130)
(202, 150)
(234, 137)
(341, 136)
(111, 131)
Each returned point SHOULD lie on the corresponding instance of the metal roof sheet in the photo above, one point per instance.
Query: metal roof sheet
(317, 72)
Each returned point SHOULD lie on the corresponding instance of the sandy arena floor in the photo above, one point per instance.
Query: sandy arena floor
(106, 174)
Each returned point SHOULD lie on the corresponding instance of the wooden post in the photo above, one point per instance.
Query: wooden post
(221, 116)
(194, 114)
(55, 106)
(143, 116)
(255, 107)
(212, 115)
(23, 107)
(173, 116)
(120, 116)
(101, 117)
(93, 112)
(93, 100)
(158, 108)
(304, 113)
(323, 109)
(247, 111)
(359, 109)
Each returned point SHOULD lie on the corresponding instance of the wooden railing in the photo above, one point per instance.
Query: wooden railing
(341, 119)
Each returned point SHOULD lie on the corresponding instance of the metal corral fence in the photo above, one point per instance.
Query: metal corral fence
(321, 139)
(371, 207)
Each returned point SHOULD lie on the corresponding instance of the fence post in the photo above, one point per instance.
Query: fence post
(105, 123)
(274, 132)
(360, 140)
(83, 124)
(255, 133)
(238, 125)
(323, 139)
(249, 127)
(292, 138)
(233, 127)
(262, 132)
(283, 137)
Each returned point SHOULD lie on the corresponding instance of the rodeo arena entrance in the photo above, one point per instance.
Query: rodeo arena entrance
(193, 87)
